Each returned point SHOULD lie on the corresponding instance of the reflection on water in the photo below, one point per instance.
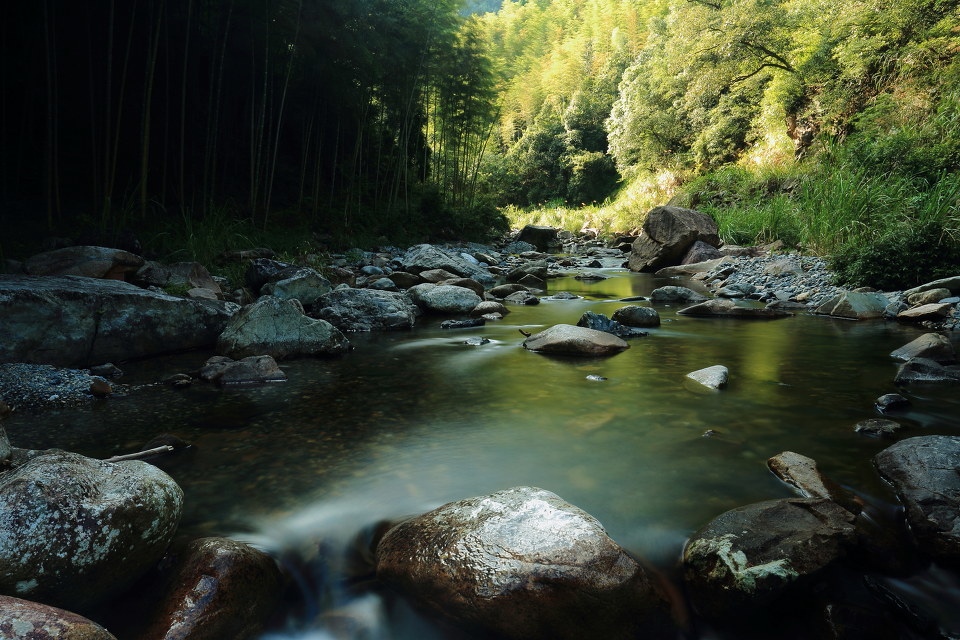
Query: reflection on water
(411, 420)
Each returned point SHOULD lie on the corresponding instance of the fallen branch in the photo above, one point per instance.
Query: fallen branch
(141, 454)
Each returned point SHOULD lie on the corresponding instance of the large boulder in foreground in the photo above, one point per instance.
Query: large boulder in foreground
(668, 234)
(74, 530)
(366, 310)
(279, 328)
(89, 262)
(567, 339)
(752, 555)
(215, 588)
(25, 620)
(923, 472)
(522, 563)
(73, 321)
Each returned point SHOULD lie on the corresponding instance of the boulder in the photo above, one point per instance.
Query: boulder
(522, 563)
(75, 530)
(89, 262)
(424, 257)
(260, 271)
(933, 346)
(518, 247)
(188, 275)
(783, 267)
(635, 316)
(855, 306)
(279, 328)
(934, 312)
(443, 298)
(25, 620)
(714, 377)
(75, 321)
(436, 276)
(249, 370)
(470, 323)
(928, 297)
(802, 473)
(489, 306)
(700, 252)
(725, 308)
(522, 298)
(923, 472)
(924, 370)
(543, 238)
(600, 322)
(504, 290)
(892, 402)
(691, 269)
(404, 280)
(299, 283)
(952, 284)
(676, 294)
(535, 268)
(668, 234)
(244, 255)
(466, 283)
(566, 339)
(215, 589)
(366, 310)
(753, 555)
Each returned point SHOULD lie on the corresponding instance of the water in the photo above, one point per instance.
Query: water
(411, 420)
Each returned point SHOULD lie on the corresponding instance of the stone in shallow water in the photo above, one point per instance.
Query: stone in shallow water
(878, 428)
(25, 620)
(714, 377)
(566, 339)
(802, 473)
(892, 402)
(934, 346)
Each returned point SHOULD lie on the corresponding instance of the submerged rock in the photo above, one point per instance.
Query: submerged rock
(566, 339)
(878, 428)
(522, 563)
(25, 620)
(74, 530)
(925, 370)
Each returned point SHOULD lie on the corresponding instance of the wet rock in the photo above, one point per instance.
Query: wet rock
(675, 294)
(425, 257)
(668, 233)
(933, 346)
(855, 306)
(279, 328)
(25, 620)
(75, 321)
(178, 381)
(463, 324)
(216, 589)
(923, 472)
(476, 341)
(802, 473)
(100, 388)
(89, 262)
(564, 295)
(261, 271)
(504, 290)
(924, 370)
(522, 563)
(187, 275)
(725, 308)
(75, 530)
(108, 370)
(443, 298)
(532, 282)
(877, 428)
(753, 555)
(925, 312)
(932, 296)
(250, 370)
(298, 283)
(596, 378)
(700, 252)
(566, 339)
(489, 306)
(600, 322)
(523, 298)
(366, 310)
(636, 316)
(714, 377)
(892, 402)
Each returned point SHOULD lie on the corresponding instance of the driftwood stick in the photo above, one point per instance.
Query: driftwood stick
(141, 454)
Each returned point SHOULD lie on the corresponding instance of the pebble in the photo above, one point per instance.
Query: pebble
(29, 386)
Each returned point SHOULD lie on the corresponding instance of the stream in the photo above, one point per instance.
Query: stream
(410, 420)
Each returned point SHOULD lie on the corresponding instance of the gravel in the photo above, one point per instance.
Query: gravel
(30, 386)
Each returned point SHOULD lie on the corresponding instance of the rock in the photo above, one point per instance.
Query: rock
(216, 589)
(260, 271)
(878, 428)
(925, 312)
(249, 370)
(636, 316)
(523, 298)
(404, 280)
(933, 346)
(188, 275)
(564, 295)
(178, 381)
(25, 620)
(855, 306)
(489, 306)
(928, 297)
(463, 324)
(700, 252)
(340, 276)
(100, 388)
(107, 370)
(476, 341)
(244, 255)
(724, 308)
(952, 284)
(383, 284)
(466, 283)
(595, 378)
(424, 257)
(668, 234)
(533, 282)
(892, 402)
(714, 377)
(205, 294)
(504, 290)
(543, 238)
(783, 267)
(516, 248)
(691, 269)
(566, 339)
(75, 530)
(924, 370)
(89, 262)
(366, 310)
(279, 328)
(750, 556)
(522, 563)
(923, 472)
(537, 269)
(675, 294)
(443, 298)
(739, 290)
(5, 450)
(435, 276)
(300, 283)
(75, 321)
(802, 473)
(600, 322)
